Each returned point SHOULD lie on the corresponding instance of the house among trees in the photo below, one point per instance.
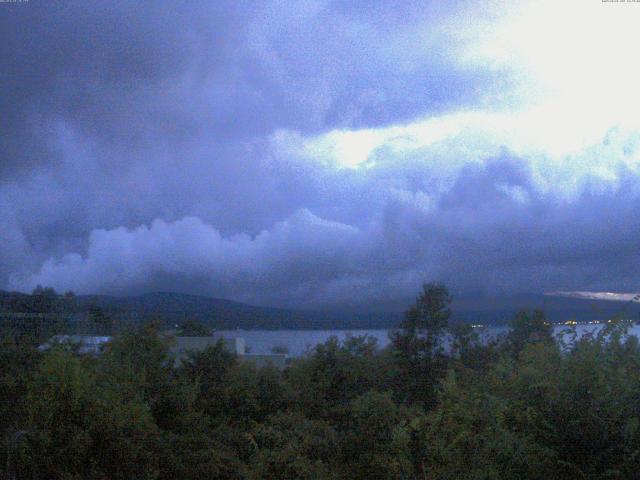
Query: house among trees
(181, 345)
(235, 345)
(84, 344)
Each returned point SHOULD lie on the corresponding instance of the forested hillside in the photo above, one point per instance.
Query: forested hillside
(523, 406)
(175, 308)
(219, 314)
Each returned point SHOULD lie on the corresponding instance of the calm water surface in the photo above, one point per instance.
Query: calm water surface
(300, 341)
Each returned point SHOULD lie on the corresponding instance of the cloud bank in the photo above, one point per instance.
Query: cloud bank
(324, 155)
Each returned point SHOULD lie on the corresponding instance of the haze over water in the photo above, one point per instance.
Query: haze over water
(298, 342)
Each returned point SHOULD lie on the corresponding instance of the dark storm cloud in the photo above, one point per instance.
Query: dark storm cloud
(138, 154)
(127, 73)
(129, 82)
(493, 230)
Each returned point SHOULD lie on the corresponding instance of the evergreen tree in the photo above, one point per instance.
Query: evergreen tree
(419, 344)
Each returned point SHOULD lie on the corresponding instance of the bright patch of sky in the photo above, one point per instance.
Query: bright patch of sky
(573, 110)
(609, 296)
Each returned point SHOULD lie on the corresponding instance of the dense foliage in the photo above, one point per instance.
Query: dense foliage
(437, 404)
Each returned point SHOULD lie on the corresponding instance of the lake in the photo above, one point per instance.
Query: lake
(300, 341)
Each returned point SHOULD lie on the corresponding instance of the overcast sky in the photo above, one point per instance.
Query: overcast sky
(319, 154)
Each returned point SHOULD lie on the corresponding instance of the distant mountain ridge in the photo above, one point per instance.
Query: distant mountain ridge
(558, 308)
(174, 308)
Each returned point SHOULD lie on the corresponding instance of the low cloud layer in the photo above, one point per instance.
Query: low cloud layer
(327, 155)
